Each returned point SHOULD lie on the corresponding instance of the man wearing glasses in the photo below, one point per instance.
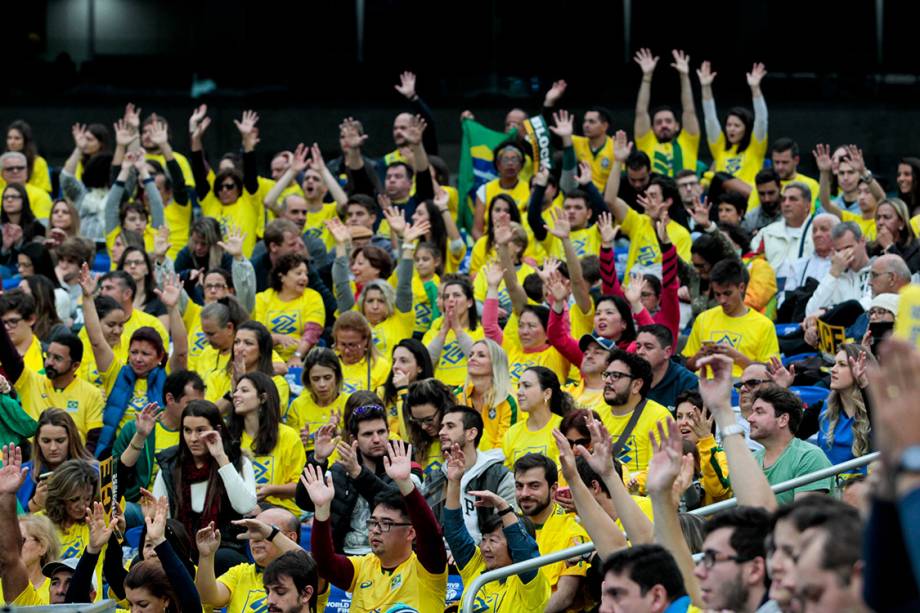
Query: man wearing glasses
(14, 168)
(393, 573)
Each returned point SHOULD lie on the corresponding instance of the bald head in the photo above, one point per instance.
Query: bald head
(286, 521)
(889, 274)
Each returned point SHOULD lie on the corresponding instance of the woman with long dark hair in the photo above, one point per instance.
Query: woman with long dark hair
(138, 264)
(19, 225)
(41, 281)
(502, 210)
(19, 138)
(207, 479)
(274, 448)
(322, 395)
(541, 397)
(423, 409)
(908, 181)
(452, 336)
(411, 362)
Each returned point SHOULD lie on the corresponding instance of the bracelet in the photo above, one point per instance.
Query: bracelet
(273, 534)
(134, 447)
(228, 397)
(732, 429)
(408, 246)
(505, 511)
(298, 355)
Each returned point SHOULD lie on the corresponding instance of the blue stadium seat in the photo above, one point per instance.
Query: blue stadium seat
(784, 329)
(811, 394)
(789, 359)
(102, 263)
(11, 282)
(133, 536)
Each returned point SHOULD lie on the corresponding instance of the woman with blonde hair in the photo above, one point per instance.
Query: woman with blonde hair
(488, 390)
(40, 545)
(71, 490)
(364, 367)
(895, 233)
(843, 422)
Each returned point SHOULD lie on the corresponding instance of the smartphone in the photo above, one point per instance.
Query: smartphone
(880, 331)
(44, 476)
(564, 493)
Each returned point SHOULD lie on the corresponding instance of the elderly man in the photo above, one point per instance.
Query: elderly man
(784, 241)
(816, 265)
(14, 168)
(849, 274)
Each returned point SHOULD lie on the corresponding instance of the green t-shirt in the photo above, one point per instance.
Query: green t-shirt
(799, 458)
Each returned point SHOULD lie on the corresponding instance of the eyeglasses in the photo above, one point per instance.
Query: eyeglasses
(226, 187)
(12, 322)
(711, 558)
(876, 275)
(424, 421)
(215, 286)
(751, 383)
(14, 168)
(12, 196)
(133, 263)
(346, 346)
(584, 442)
(614, 375)
(384, 525)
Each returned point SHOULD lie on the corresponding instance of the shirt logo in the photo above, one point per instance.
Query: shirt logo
(314, 232)
(492, 413)
(73, 405)
(725, 337)
(200, 342)
(284, 324)
(255, 602)
(451, 355)
(422, 314)
(733, 165)
(263, 467)
(605, 162)
(366, 584)
(518, 368)
(396, 582)
(646, 255)
(581, 246)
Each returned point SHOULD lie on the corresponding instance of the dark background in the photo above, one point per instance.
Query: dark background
(831, 78)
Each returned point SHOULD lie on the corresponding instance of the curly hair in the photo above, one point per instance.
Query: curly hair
(65, 484)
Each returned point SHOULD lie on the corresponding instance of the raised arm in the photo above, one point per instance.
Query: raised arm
(249, 135)
(823, 160)
(758, 72)
(154, 200)
(407, 88)
(706, 76)
(297, 166)
(621, 149)
(212, 592)
(197, 125)
(515, 291)
(494, 273)
(424, 188)
(169, 296)
(406, 263)
(343, 294)
(748, 480)
(535, 204)
(689, 121)
(101, 350)
(461, 544)
(332, 184)
(643, 122)
(14, 577)
(859, 164)
(562, 230)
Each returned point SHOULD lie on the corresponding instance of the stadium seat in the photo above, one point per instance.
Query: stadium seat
(789, 359)
(811, 394)
(102, 263)
(784, 329)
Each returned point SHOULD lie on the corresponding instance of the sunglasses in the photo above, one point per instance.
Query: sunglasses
(226, 187)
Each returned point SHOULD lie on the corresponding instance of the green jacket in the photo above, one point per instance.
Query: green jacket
(15, 424)
(132, 479)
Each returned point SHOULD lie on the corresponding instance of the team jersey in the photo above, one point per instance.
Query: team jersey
(644, 250)
(73, 541)
(305, 412)
(521, 440)
(393, 329)
(149, 237)
(744, 165)
(187, 176)
(509, 596)
(197, 341)
(375, 589)
(242, 215)
(586, 241)
(31, 596)
(671, 157)
(281, 466)
(138, 319)
(591, 399)
(247, 594)
(481, 256)
(265, 186)
(289, 318)
(637, 450)
(39, 201)
(481, 286)
(421, 301)
(82, 401)
(217, 384)
(520, 360)
(179, 221)
(601, 161)
(139, 399)
(561, 531)
(355, 376)
(497, 418)
(34, 358)
(752, 334)
(520, 193)
(867, 226)
(164, 438)
(315, 226)
(431, 463)
(451, 366)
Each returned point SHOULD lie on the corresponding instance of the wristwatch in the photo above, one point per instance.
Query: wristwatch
(867, 178)
(732, 429)
(910, 460)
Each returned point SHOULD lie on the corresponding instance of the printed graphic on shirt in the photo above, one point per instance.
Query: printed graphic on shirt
(264, 468)
(284, 323)
(255, 602)
(725, 337)
(452, 354)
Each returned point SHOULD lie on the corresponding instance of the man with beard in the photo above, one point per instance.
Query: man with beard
(59, 387)
(358, 474)
(290, 583)
(785, 157)
(632, 415)
(768, 190)
(659, 135)
(273, 532)
(482, 470)
(654, 344)
(536, 481)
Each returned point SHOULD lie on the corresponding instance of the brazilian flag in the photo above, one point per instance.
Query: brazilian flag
(476, 166)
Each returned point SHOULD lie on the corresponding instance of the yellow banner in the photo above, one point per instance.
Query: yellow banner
(830, 337)
(907, 323)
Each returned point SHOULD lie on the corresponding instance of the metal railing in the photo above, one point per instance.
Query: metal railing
(470, 591)
(103, 606)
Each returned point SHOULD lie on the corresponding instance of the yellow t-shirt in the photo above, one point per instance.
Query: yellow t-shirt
(586, 241)
(39, 201)
(521, 440)
(315, 225)
(867, 226)
(520, 360)
(393, 329)
(139, 399)
(33, 358)
(744, 165)
(481, 286)
(164, 438)
(451, 366)
(244, 215)
(247, 594)
(179, 221)
(637, 451)
(30, 597)
(520, 193)
(643, 241)
(217, 383)
(481, 256)
(373, 589)
(354, 376)
(601, 161)
(138, 319)
(509, 596)
(305, 412)
(591, 399)
(197, 341)
(561, 531)
(497, 418)
(187, 175)
(281, 466)
(39, 178)
(149, 237)
(265, 186)
(668, 159)
(752, 334)
(80, 399)
(421, 303)
(289, 318)
(754, 199)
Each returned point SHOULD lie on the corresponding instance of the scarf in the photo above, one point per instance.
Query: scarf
(117, 403)
(211, 510)
(431, 290)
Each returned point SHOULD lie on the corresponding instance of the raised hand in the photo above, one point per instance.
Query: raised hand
(214, 443)
(396, 217)
(494, 273)
(705, 74)
(700, 213)
(716, 390)
(398, 461)
(607, 229)
(633, 291)
(781, 375)
(350, 134)
(661, 228)
(207, 540)
(566, 456)
(417, 231)
(198, 115)
(856, 159)
(316, 159)
(550, 266)
(646, 61)
(254, 530)
(822, 155)
(233, 246)
(78, 131)
(681, 62)
(441, 198)
(158, 133)
(502, 233)
(758, 72)
(485, 498)
(161, 242)
(541, 178)
(99, 532)
(859, 368)
(456, 463)
(171, 291)
(348, 458)
(248, 131)
(667, 458)
(87, 281)
(319, 487)
(132, 117)
(557, 287)
(701, 423)
(563, 124)
(560, 228)
(415, 130)
(584, 173)
(324, 441)
(12, 474)
(146, 419)
(124, 133)
(156, 522)
(406, 85)
(621, 146)
(600, 458)
(339, 231)
(555, 93)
